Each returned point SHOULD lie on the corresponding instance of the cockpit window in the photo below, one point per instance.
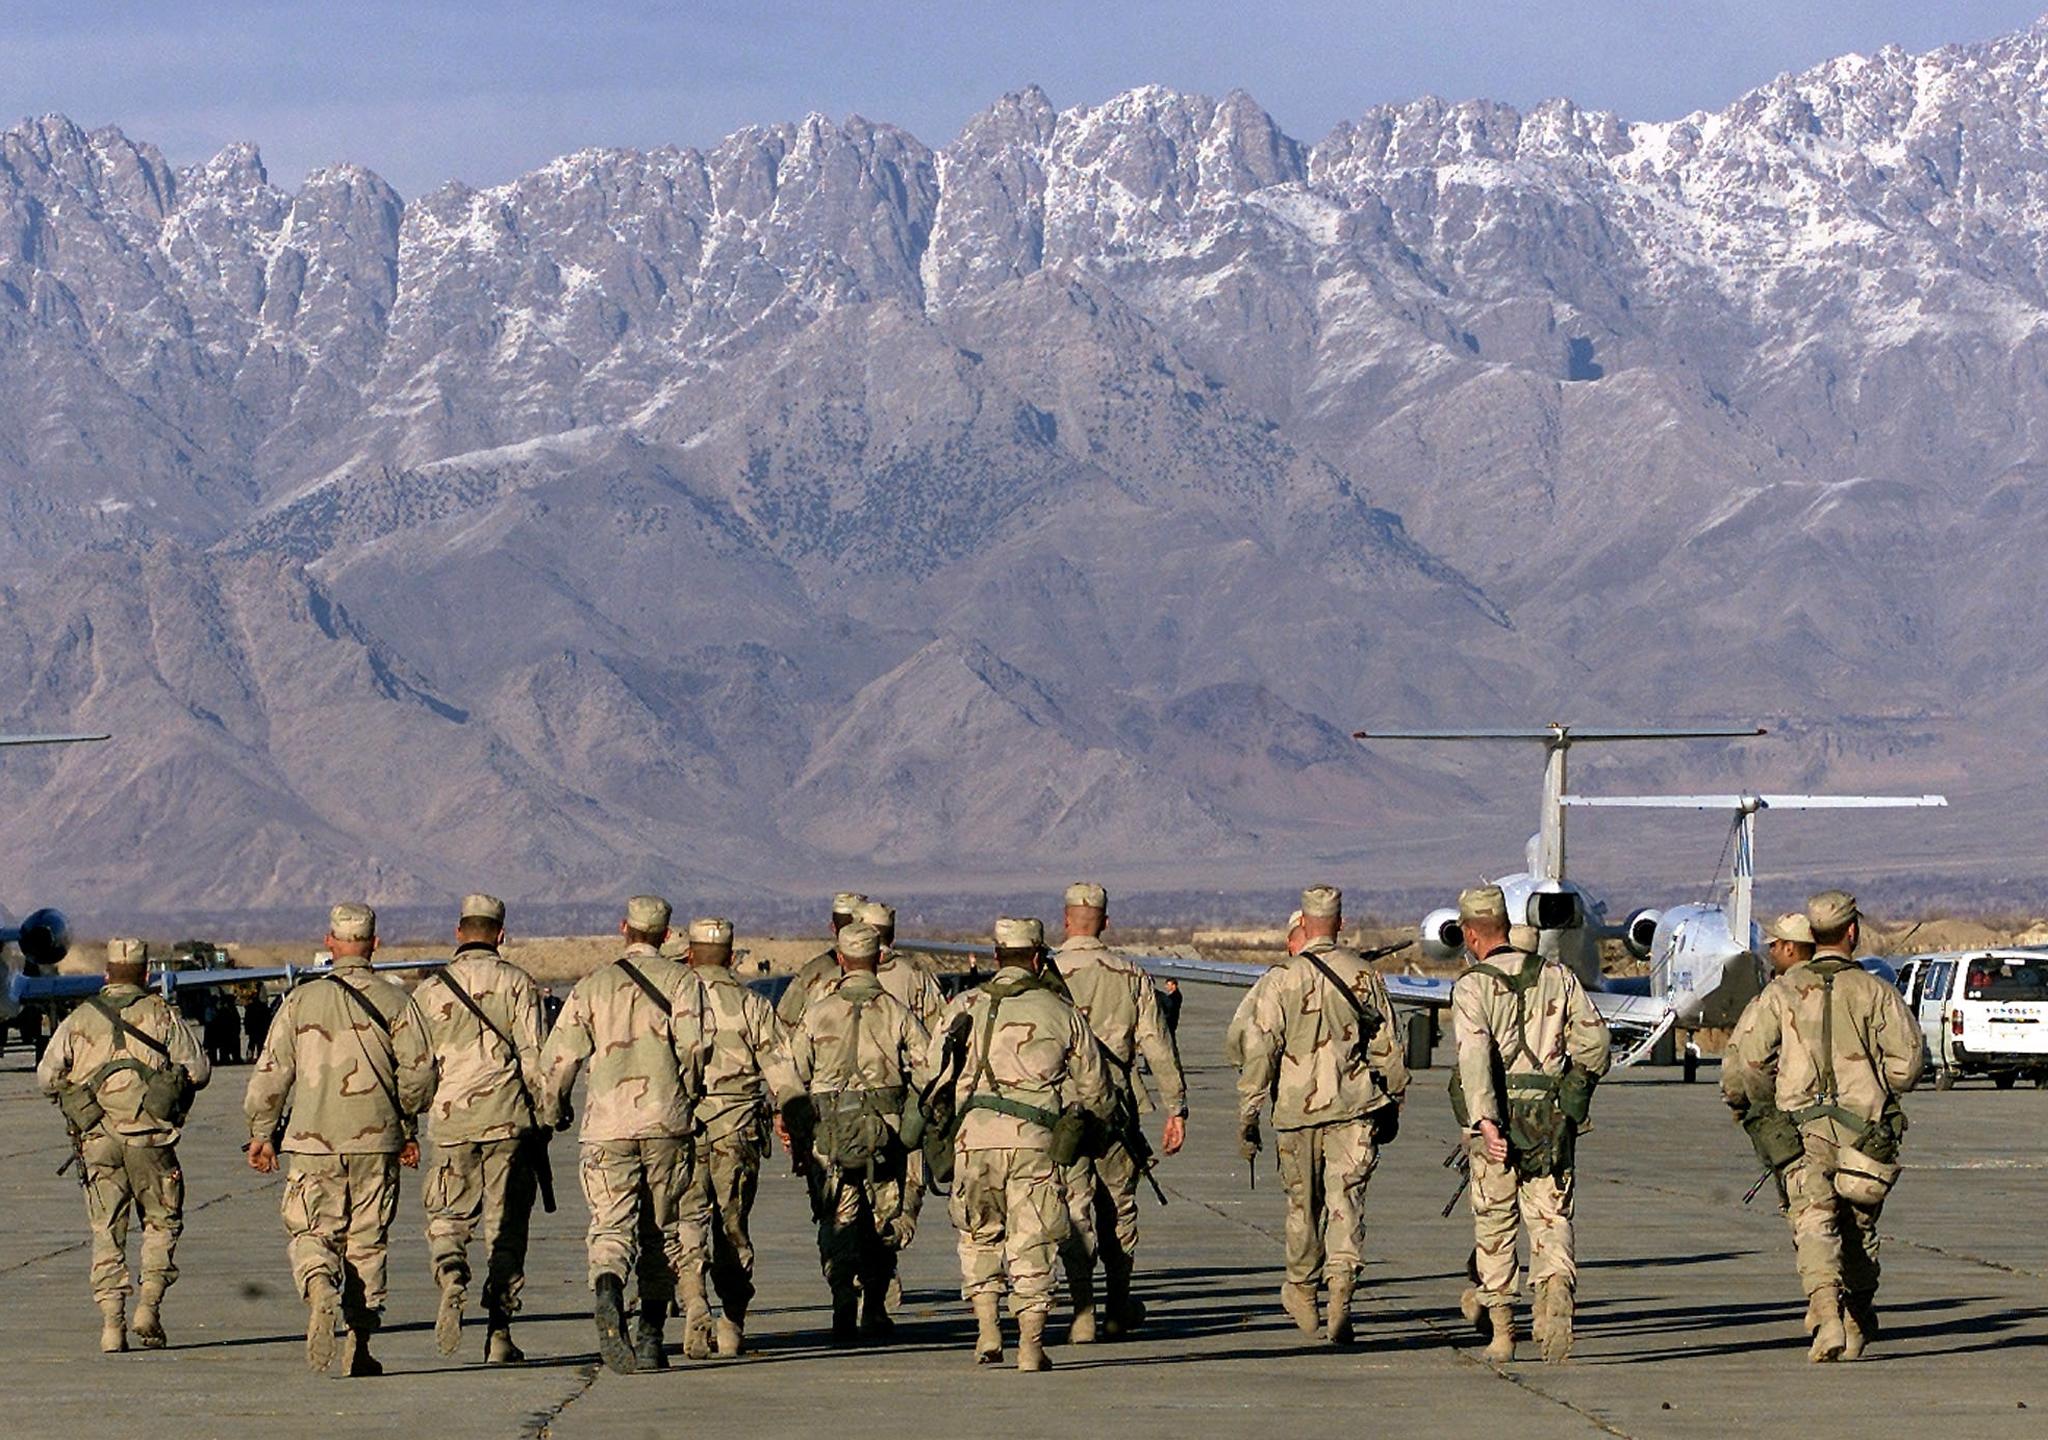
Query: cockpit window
(1994, 977)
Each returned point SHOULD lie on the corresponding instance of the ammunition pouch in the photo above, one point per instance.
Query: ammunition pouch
(167, 1094)
(81, 1108)
(1075, 1132)
(1542, 1139)
(1575, 1094)
(910, 1123)
(1774, 1136)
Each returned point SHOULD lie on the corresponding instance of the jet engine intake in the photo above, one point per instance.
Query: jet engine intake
(1442, 937)
(44, 937)
(1639, 932)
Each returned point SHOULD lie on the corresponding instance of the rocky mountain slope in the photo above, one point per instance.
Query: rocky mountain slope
(825, 508)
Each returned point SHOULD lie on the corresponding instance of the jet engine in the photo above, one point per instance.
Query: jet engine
(1443, 939)
(1639, 932)
(44, 938)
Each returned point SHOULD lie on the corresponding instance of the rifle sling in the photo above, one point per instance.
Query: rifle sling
(124, 1032)
(455, 988)
(1368, 1022)
(647, 987)
(376, 1017)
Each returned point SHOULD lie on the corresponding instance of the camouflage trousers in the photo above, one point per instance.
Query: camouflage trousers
(139, 1180)
(1835, 1241)
(480, 1185)
(338, 1211)
(1324, 1169)
(1502, 1203)
(859, 1219)
(711, 1225)
(1102, 1210)
(634, 1189)
(1010, 1207)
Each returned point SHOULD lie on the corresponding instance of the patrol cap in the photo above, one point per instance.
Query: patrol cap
(846, 902)
(710, 930)
(647, 913)
(1483, 903)
(1831, 910)
(859, 942)
(675, 947)
(127, 952)
(1321, 901)
(483, 907)
(1087, 895)
(1792, 926)
(875, 913)
(1015, 934)
(352, 920)
(1293, 920)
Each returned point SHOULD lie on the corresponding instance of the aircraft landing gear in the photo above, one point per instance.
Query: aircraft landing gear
(1691, 1059)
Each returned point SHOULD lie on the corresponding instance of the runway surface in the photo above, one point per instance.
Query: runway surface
(1689, 1308)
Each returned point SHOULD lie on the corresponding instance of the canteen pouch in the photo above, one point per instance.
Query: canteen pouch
(1070, 1135)
(1882, 1137)
(1575, 1094)
(1774, 1136)
(852, 1130)
(81, 1108)
(167, 1094)
(1862, 1179)
(910, 1126)
(1541, 1138)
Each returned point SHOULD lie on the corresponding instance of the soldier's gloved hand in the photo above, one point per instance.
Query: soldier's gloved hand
(1248, 1138)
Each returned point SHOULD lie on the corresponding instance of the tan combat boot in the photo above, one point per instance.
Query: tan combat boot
(1337, 1310)
(732, 1334)
(1474, 1311)
(113, 1324)
(498, 1346)
(988, 1340)
(1502, 1349)
(1031, 1342)
(696, 1316)
(448, 1319)
(1553, 1327)
(323, 1316)
(1859, 1322)
(149, 1324)
(1299, 1301)
(356, 1360)
(1121, 1312)
(1081, 1284)
(1824, 1319)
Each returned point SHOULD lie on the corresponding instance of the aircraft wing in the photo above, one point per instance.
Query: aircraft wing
(25, 989)
(12, 740)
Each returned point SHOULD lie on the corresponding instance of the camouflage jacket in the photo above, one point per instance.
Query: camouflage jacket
(746, 1058)
(820, 973)
(1552, 1023)
(1117, 999)
(346, 1084)
(1241, 1019)
(646, 1063)
(1774, 1055)
(857, 1036)
(482, 1093)
(85, 1041)
(1028, 1044)
(903, 975)
(1301, 1043)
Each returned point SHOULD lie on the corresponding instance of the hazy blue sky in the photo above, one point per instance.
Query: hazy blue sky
(424, 91)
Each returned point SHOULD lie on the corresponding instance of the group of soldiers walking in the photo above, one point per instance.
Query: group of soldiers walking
(1018, 1098)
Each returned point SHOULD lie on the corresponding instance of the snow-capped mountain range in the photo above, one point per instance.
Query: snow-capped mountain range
(824, 508)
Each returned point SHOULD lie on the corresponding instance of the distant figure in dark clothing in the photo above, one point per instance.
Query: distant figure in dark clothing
(224, 1031)
(256, 1022)
(1169, 1006)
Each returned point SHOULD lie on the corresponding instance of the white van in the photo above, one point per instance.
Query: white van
(1981, 1012)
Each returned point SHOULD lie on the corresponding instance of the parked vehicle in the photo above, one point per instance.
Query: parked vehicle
(1981, 1012)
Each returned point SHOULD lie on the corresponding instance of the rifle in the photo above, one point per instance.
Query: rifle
(1460, 1159)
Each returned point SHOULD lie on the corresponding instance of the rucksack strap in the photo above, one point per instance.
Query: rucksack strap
(124, 1032)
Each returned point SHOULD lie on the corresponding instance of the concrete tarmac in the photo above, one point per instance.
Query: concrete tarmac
(1689, 1320)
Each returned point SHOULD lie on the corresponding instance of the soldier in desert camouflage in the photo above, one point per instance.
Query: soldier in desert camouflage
(344, 1070)
(114, 1055)
(1117, 999)
(484, 1027)
(1530, 1047)
(638, 1025)
(745, 1062)
(1320, 1044)
(858, 1054)
(821, 971)
(905, 977)
(1031, 1068)
(1829, 1048)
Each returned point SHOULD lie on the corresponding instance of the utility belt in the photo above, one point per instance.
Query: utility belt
(1879, 1139)
(1075, 1131)
(1544, 1116)
(852, 1129)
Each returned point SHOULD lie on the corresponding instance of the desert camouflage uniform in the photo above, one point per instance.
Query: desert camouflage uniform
(904, 976)
(854, 1039)
(1117, 999)
(646, 1071)
(820, 973)
(1009, 1199)
(346, 1090)
(1774, 1058)
(481, 1112)
(131, 1157)
(745, 1062)
(1559, 1025)
(1300, 1048)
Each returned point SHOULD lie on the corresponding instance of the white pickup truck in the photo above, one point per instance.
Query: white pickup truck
(1981, 1012)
